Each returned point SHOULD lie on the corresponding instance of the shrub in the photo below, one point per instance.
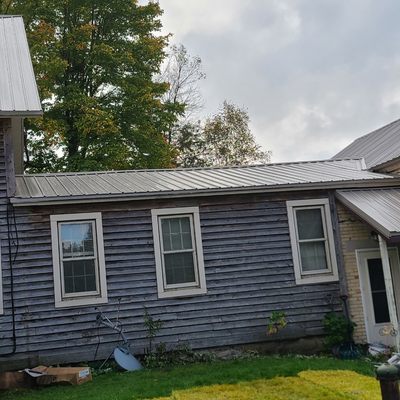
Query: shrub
(276, 322)
(182, 354)
(339, 330)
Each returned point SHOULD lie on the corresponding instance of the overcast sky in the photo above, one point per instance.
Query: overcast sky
(313, 74)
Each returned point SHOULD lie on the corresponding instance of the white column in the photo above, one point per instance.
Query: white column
(389, 289)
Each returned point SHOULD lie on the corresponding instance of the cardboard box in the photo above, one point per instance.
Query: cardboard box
(15, 380)
(66, 375)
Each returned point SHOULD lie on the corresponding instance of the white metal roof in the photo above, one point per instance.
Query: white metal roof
(377, 147)
(18, 91)
(378, 207)
(106, 186)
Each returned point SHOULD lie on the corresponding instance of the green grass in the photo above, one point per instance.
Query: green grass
(157, 383)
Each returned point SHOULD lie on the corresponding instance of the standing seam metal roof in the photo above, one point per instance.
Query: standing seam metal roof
(68, 186)
(378, 207)
(18, 91)
(377, 147)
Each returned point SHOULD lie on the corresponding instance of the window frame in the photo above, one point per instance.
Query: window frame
(180, 289)
(83, 298)
(318, 276)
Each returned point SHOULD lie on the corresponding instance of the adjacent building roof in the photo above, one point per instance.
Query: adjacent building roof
(18, 90)
(106, 186)
(377, 147)
(380, 208)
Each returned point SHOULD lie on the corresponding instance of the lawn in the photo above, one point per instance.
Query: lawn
(263, 378)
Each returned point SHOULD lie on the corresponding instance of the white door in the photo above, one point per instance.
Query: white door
(373, 293)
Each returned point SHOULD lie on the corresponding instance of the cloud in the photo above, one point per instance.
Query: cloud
(313, 75)
(208, 16)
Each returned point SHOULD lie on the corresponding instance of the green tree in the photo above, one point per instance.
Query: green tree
(225, 139)
(189, 141)
(5, 6)
(95, 63)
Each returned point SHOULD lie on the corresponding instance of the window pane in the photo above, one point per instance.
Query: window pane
(79, 276)
(378, 290)
(376, 276)
(309, 224)
(313, 256)
(77, 239)
(174, 225)
(176, 242)
(179, 268)
(176, 233)
(166, 234)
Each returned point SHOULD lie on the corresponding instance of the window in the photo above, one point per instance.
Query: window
(312, 241)
(178, 252)
(78, 259)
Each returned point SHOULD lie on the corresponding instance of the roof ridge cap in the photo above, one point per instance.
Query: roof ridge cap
(72, 173)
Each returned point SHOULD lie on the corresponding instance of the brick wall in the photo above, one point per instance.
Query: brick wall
(354, 234)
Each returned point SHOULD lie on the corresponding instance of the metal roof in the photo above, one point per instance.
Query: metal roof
(378, 207)
(377, 147)
(106, 186)
(18, 91)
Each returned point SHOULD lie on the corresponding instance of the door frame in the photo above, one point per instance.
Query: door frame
(361, 255)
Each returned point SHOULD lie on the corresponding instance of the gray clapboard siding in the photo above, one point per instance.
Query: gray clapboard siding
(5, 319)
(211, 327)
(256, 316)
(249, 273)
(46, 318)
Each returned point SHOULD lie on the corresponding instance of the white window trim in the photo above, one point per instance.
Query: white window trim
(1, 286)
(179, 290)
(89, 298)
(329, 275)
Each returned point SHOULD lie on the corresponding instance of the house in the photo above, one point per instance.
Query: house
(369, 221)
(211, 252)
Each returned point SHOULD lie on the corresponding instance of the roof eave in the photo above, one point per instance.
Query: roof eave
(385, 164)
(25, 113)
(105, 198)
(367, 218)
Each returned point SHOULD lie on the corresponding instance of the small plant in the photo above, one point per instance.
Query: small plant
(276, 322)
(153, 326)
(339, 332)
(182, 354)
(157, 358)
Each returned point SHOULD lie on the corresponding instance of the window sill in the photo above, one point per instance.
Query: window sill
(182, 293)
(310, 279)
(81, 302)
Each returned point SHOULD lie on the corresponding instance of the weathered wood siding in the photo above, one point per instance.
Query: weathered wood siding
(6, 342)
(249, 273)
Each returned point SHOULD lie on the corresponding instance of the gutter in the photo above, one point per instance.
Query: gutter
(106, 198)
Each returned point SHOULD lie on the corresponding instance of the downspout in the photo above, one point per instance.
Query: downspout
(338, 248)
(389, 289)
(338, 245)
